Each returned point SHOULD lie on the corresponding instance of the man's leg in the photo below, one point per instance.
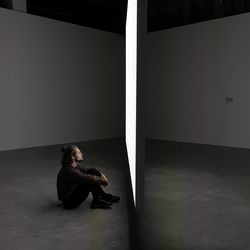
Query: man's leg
(98, 191)
(98, 194)
(78, 196)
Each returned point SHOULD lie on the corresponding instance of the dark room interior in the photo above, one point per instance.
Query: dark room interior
(63, 81)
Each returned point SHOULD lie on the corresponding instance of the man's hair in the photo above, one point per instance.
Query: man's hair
(68, 152)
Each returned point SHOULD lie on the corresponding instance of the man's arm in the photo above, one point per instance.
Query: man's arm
(92, 171)
(84, 178)
(95, 172)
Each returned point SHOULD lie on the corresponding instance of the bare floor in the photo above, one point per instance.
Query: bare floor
(197, 197)
(31, 216)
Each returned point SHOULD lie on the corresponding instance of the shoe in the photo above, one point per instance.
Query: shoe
(111, 198)
(100, 204)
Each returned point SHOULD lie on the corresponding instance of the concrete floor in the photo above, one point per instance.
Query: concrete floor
(31, 216)
(197, 197)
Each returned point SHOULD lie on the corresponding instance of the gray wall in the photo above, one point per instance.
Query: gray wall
(191, 70)
(59, 82)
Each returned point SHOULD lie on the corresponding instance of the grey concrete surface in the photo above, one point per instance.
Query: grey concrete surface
(197, 197)
(31, 216)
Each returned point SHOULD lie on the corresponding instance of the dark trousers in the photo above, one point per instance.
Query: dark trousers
(80, 194)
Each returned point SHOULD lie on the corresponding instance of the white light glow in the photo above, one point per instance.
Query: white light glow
(131, 88)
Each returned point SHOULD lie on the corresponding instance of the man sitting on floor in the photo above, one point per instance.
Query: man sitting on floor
(75, 182)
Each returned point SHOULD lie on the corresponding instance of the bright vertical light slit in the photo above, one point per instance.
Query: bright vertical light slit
(131, 88)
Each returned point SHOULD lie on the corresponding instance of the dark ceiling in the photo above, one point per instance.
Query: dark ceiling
(110, 15)
(163, 14)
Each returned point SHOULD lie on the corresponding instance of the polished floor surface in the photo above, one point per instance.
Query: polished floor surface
(31, 217)
(197, 197)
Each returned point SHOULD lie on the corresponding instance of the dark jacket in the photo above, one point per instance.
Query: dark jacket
(69, 178)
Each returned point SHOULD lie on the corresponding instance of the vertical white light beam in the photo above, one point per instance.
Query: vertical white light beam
(131, 89)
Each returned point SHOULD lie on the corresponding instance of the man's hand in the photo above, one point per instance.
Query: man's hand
(104, 179)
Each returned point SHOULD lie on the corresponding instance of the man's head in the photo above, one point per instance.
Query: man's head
(78, 155)
(71, 154)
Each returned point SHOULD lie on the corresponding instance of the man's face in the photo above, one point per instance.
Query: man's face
(78, 155)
